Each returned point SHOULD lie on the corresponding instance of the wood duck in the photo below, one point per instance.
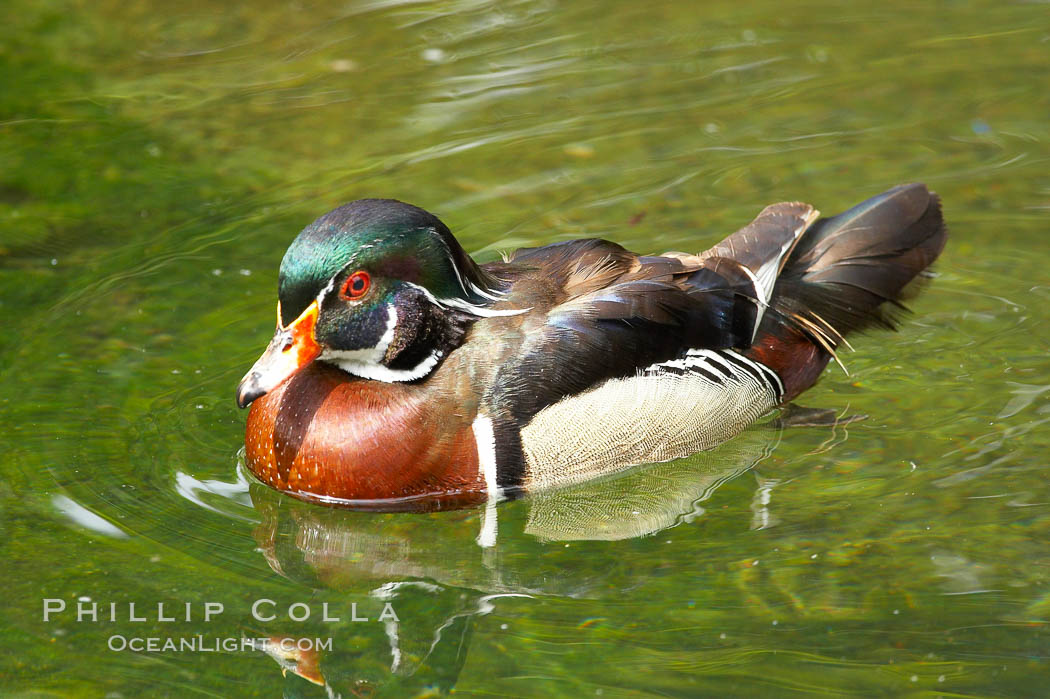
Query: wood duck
(402, 374)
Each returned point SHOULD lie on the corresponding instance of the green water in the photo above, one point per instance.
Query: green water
(157, 158)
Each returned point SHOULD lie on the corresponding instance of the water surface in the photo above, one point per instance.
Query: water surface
(156, 160)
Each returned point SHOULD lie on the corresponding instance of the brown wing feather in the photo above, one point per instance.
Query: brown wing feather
(770, 237)
(614, 312)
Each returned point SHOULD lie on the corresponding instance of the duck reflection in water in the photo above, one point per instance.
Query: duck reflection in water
(440, 581)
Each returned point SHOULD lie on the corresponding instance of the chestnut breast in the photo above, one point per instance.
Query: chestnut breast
(325, 434)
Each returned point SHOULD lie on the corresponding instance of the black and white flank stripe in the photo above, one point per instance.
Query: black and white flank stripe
(720, 367)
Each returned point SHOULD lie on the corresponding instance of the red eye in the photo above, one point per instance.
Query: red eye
(356, 285)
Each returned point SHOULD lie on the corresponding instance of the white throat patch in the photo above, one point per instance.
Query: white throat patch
(368, 362)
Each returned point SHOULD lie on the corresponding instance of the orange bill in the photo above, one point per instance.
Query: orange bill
(290, 350)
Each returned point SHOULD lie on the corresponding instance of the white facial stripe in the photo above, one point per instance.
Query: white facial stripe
(368, 355)
(368, 363)
(464, 283)
(424, 291)
(452, 262)
(331, 282)
(383, 373)
(325, 291)
(491, 296)
(330, 285)
(481, 311)
(462, 305)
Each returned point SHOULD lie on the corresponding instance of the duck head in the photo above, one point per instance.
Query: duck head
(378, 288)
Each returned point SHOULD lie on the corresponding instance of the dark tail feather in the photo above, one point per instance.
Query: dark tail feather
(847, 273)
